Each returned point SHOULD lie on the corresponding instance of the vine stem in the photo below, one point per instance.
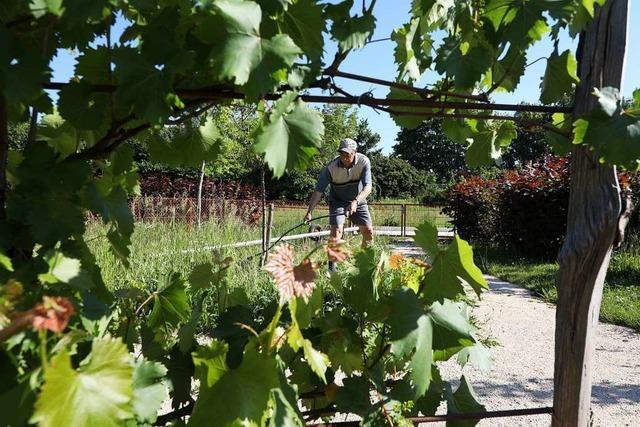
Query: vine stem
(145, 302)
(4, 153)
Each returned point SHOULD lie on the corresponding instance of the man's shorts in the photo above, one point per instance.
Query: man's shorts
(338, 210)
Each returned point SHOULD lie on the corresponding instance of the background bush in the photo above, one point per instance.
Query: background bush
(522, 209)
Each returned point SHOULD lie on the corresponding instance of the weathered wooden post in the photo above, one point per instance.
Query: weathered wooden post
(596, 219)
(268, 232)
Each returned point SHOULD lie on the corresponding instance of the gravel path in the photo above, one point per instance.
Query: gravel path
(522, 374)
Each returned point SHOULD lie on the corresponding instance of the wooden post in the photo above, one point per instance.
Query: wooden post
(595, 221)
(199, 211)
(268, 234)
(403, 220)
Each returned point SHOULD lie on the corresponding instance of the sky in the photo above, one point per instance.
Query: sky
(376, 60)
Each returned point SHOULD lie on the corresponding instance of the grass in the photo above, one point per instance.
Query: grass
(621, 296)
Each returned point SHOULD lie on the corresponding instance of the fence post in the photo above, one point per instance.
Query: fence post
(403, 220)
(268, 233)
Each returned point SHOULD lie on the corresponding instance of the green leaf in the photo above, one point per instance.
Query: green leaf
(240, 396)
(76, 397)
(17, 403)
(412, 51)
(39, 8)
(478, 355)
(406, 121)
(457, 130)
(201, 276)
(210, 363)
(584, 13)
(170, 303)
(465, 62)
(427, 238)
(559, 77)
(290, 135)
(462, 401)
(65, 270)
(353, 397)
(189, 148)
(187, 333)
(93, 65)
(432, 12)
(412, 328)
(615, 137)
(82, 106)
(560, 144)
(317, 361)
(451, 268)
(353, 33)
(487, 144)
(5, 262)
(519, 22)
(505, 74)
(142, 88)
(304, 23)
(149, 390)
(285, 413)
(239, 53)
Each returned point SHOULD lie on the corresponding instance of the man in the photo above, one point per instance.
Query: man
(349, 176)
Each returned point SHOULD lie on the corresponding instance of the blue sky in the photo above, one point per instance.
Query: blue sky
(376, 60)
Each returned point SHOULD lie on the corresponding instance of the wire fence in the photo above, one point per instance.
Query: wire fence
(185, 210)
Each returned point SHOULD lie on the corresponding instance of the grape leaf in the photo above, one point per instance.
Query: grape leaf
(411, 53)
(520, 22)
(427, 238)
(412, 328)
(462, 401)
(240, 396)
(82, 107)
(431, 12)
(478, 355)
(210, 363)
(239, 53)
(463, 61)
(170, 303)
(353, 396)
(317, 361)
(560, 144)
(406, 121)
(142, 88)
(304, 23)
(149, 391)
(505, 74)
(290, 135)
(451, 268)
(559, 77)
(285, 413)
(486, 144)
(354, 32)
(75, 397)
(614, 135)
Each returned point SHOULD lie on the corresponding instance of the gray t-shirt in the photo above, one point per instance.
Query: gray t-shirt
(346, 183)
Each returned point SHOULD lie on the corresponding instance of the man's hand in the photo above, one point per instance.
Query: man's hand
(307, 218)
(353, 207)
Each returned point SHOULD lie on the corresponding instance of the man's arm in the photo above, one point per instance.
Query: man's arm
(316, 196)
(315, 199)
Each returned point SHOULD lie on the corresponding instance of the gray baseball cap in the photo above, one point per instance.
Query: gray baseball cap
(348, 145)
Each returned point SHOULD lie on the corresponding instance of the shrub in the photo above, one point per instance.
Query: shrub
(522, 209)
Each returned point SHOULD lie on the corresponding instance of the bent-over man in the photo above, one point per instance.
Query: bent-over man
(349, 177)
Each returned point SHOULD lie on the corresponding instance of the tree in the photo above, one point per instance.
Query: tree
(366, 138)
(428, 149)
(395, 178)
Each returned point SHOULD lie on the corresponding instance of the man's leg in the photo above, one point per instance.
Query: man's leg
(337, 226)
(367, 234)
(362, 218)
